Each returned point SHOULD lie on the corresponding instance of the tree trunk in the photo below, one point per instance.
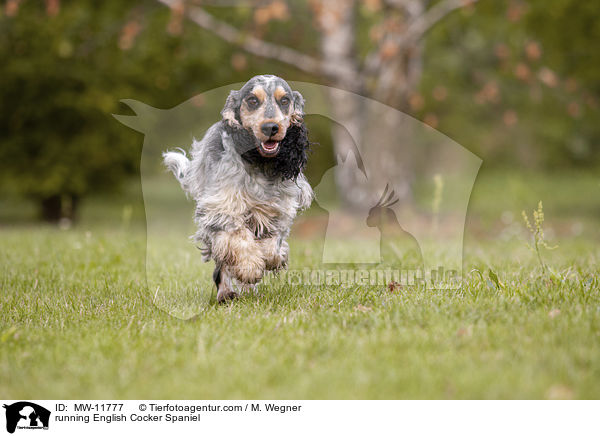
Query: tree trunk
(336, 20)
(361, 122)
(387, 151)
(56, 207)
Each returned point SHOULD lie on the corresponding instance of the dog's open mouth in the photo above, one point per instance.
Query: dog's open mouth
(268, 148)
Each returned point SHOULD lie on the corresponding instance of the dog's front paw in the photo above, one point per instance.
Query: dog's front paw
(225, 290)
(249, 270)
(275, 256)
(284, 253)
(224, 294)
(241, 253)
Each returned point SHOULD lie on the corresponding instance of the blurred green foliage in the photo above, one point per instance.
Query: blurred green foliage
(515, 82)
(63, 74)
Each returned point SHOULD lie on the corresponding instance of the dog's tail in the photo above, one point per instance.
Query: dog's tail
(178, 164)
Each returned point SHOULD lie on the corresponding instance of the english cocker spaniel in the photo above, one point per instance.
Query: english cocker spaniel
(246, 177)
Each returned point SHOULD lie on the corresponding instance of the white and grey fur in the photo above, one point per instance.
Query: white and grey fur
(246, 202)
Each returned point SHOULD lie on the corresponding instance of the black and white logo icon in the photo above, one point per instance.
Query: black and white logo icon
(26, 415)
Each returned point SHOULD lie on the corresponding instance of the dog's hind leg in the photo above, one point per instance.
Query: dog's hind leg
(223, 281)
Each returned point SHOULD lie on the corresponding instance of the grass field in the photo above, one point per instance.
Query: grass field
(76, 320)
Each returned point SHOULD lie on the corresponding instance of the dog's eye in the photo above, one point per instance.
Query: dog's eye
(252, 102)
(284, 101)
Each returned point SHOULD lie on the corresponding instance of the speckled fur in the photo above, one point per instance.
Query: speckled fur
(246, 203)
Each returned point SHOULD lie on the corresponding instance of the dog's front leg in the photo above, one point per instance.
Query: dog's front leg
(241, 253)
(275, 252)
(225, 288)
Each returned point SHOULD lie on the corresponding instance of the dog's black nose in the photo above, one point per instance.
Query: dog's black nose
(269, 129)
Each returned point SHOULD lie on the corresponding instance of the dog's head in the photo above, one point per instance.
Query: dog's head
(266, 117)
(266, 106)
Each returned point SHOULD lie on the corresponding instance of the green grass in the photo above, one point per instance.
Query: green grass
(76, 320)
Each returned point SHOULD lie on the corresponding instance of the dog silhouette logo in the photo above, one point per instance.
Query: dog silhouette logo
(26, 415)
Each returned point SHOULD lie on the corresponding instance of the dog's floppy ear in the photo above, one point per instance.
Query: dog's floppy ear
(230, 112)
(293, 156)
(298, 114)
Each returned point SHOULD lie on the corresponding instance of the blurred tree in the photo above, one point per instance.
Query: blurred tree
(496, 76)
(65, 66)
(51, 100)
(385, 64)
(56, 142)
(517, 82)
